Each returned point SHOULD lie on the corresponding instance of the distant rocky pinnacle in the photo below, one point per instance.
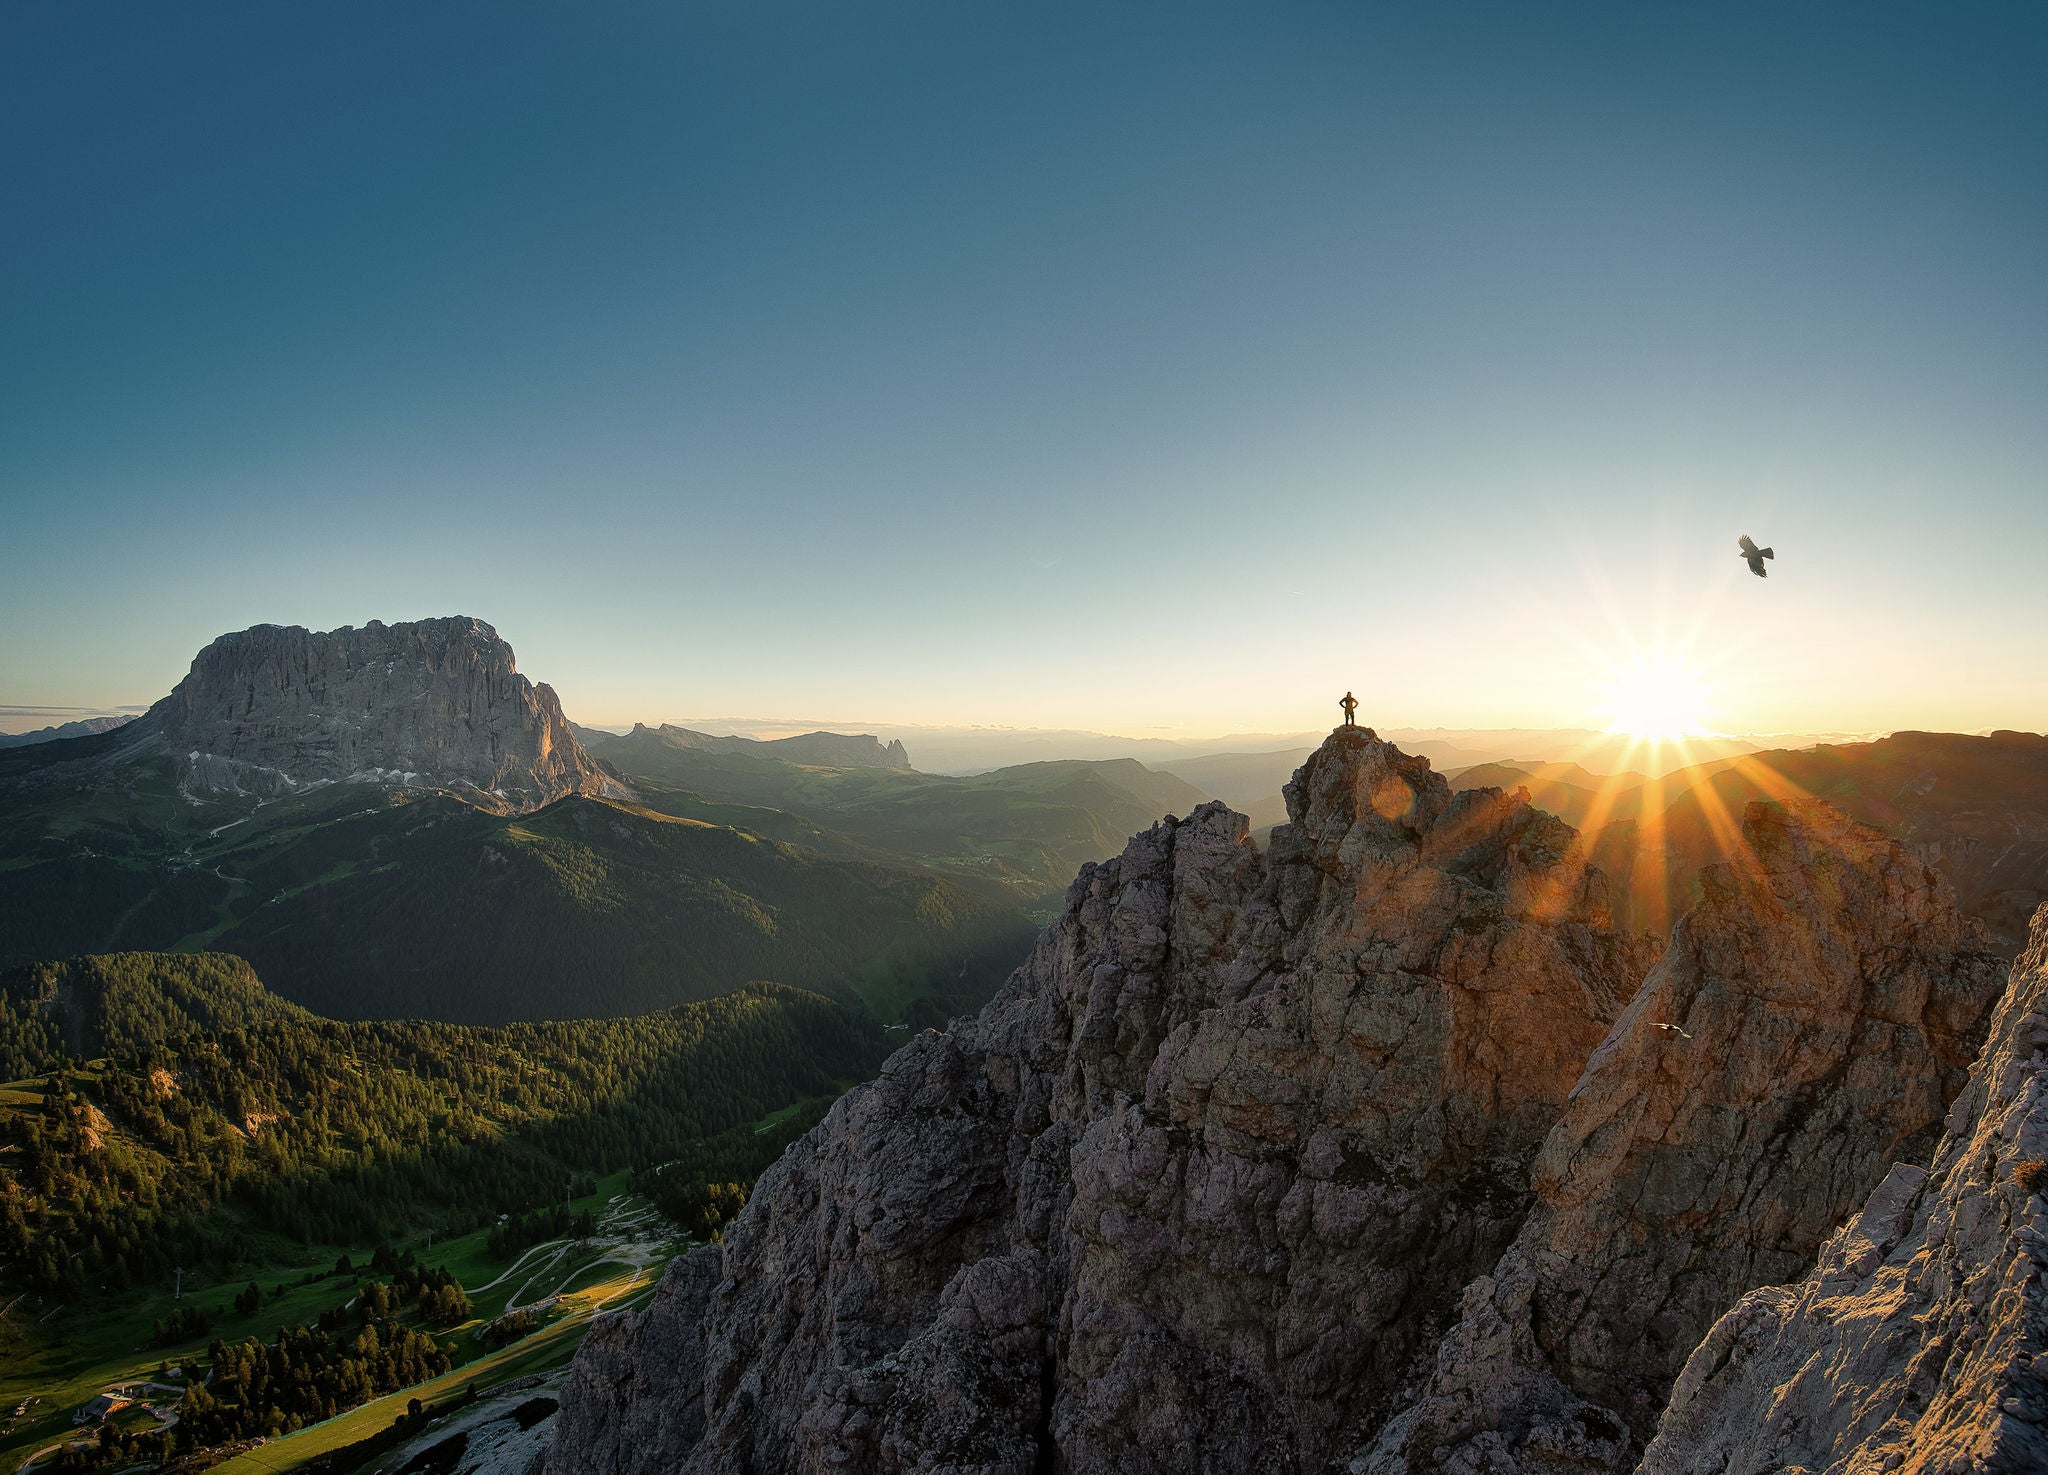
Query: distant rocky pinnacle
(1369, 1155)
(427, 703)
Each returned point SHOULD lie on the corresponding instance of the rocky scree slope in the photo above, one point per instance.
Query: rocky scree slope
(426, 704)
(1811, 1021)
(1196, 1191)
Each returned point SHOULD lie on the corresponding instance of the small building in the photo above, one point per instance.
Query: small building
(101, 1408)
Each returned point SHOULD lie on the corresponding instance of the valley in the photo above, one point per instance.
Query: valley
(341, 1092)
(185, 1157)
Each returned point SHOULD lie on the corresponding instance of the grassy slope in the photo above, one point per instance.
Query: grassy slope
(78, 1351)
(589, 908)
(64, 1349)
(359, 905)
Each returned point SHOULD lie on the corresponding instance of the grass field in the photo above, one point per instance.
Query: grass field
(537, 1353)
(65, 1356)
(551, 1346)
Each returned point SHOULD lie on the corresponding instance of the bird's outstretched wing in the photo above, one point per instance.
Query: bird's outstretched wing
(1748, 546)
(1756, 566)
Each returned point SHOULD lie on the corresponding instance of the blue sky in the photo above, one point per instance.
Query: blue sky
(1133, 367)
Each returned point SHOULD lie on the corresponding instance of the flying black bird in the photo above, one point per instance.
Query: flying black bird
(1755, 557)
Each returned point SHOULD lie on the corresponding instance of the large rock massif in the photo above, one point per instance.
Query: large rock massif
(425, 704)
(1364, 1155)
(1198, 1187)
(1919, 1342)
(1807, 1028)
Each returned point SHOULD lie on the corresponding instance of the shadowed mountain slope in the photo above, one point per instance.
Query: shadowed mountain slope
(392, 821)
(176, 1110)
(1024, 828)
(1976, 808)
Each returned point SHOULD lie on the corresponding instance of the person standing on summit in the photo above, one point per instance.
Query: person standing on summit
(1350, 705)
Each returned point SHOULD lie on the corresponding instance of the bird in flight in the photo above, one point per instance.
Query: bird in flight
(1755, 556)
(1671, 1029)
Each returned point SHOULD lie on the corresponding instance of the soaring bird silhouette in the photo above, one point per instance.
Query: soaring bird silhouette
(1755, 557)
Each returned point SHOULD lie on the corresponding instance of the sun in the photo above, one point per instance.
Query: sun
(1659, 700)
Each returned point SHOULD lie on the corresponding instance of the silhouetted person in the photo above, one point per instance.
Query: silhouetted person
(1350, 705)
(1755, 557)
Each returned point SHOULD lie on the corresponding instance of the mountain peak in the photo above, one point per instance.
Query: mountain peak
(435, 703)
(1196, 1187)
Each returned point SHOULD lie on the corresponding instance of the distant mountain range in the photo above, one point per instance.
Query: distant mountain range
(1974, 807)
(82, 727)
(1024, 829)
(392, 821)
(962, 750)
(814, 749)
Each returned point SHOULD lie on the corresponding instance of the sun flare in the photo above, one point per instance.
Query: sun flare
(1658, 700)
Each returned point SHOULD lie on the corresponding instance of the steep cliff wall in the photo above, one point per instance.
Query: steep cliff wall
(432, 703)
(1919, 1342)
(1811, 1022)
(1195, 1191)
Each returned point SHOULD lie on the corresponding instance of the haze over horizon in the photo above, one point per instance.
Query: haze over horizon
(1170, 369)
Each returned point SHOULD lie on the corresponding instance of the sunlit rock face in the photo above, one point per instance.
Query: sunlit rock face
(431, 703)
(1812, 1020)
(1919, 1342)
(1198, 1190)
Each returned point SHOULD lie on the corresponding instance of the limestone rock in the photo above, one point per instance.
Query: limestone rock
(1809, 1025)
(427, 704)
(1194, 1192)
(1919, 1341)
(636, 1383)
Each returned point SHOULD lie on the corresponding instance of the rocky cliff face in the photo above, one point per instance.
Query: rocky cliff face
(432, 703)
(1919, 1342)
(1195, 1191)
(1811, 1022)
(1234, 1176)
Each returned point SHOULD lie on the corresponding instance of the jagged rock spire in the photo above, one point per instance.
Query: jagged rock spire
(1192, 1192)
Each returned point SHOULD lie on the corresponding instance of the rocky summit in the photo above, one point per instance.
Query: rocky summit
(1385, 1152)
(424, 704)
(1195, 1191)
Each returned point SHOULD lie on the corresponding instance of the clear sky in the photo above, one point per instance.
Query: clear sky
(1114, 366)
